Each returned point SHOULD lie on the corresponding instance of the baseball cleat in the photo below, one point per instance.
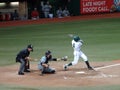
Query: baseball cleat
(20, 73)
(65, 67)
(90, 68)
(26, 70)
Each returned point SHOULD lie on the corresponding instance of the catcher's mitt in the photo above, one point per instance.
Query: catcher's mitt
(65, 58)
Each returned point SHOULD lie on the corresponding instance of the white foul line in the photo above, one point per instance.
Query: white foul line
(107, 66)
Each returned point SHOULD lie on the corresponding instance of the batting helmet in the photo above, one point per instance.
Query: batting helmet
(76, 38)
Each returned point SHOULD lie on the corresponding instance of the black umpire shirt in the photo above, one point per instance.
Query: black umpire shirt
(22, 54)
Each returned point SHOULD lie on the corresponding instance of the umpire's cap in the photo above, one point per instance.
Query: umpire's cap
(30, 46)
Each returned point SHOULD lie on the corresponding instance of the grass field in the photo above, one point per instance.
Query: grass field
(113, 87)
(100, 36)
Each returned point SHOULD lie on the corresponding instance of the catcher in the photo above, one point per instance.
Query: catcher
(43, 64)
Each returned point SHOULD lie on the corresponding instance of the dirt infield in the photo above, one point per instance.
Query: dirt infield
(108, 73)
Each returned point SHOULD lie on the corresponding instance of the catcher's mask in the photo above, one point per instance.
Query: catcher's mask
(47, 53)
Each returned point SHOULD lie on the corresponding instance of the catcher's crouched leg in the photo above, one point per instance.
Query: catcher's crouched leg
(49, 70)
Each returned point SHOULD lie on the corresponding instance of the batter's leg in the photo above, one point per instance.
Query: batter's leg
(84, 57)
(74, 62)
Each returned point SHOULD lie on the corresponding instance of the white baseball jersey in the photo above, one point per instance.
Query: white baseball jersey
(76, 45)
(77, 52)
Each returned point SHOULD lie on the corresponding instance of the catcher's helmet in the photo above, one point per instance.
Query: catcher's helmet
(76, 38)
(48, 52)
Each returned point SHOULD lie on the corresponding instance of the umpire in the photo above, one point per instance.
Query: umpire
(23, 58)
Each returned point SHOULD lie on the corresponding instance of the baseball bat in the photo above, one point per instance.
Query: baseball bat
(71, 35)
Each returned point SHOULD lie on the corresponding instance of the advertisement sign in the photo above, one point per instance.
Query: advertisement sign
(95, 6)
(117, 4)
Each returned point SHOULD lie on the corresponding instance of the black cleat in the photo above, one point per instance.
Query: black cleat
(90, 68)
(53, 71)
(26, 70)
(65, 67)
(20, 73)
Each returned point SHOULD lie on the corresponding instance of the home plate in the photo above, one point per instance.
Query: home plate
(81, 72)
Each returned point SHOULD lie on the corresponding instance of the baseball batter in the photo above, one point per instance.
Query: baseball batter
(76, 44)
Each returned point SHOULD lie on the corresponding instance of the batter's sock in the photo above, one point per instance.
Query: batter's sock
(88, 65)
(70, 64)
